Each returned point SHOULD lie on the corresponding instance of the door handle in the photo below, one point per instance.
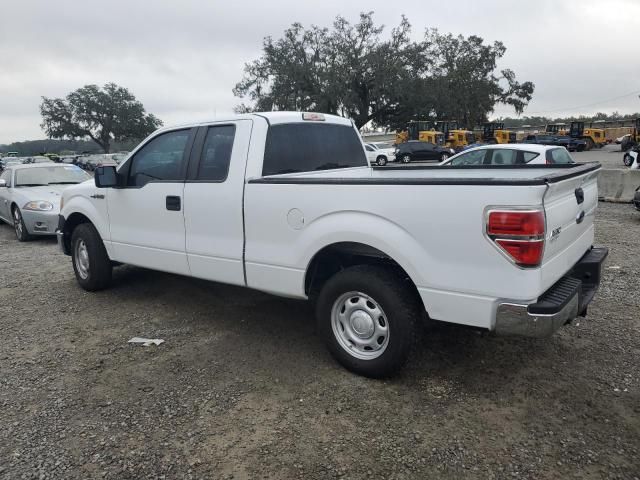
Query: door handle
(173, 203)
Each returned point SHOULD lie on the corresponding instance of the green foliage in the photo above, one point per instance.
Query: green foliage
(104, 115)
(352, 70)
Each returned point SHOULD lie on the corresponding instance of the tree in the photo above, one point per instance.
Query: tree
(353, 70)
(104, 115)
(349, 70)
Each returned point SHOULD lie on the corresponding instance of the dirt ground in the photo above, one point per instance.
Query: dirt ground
(243, 387)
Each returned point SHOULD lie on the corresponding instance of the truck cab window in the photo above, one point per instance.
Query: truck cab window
(216, 153)
(160, 159)
(307, 147)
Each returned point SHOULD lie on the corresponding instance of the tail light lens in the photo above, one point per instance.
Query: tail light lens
(519, 234)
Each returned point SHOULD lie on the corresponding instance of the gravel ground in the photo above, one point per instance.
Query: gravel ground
(243, 387)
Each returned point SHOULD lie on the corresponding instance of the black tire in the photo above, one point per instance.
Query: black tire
(98, 274)
(22, 234)
(444, 157)
(381, 160)
(590, 144)
(627, 160)
(406, 158)
(398, 302)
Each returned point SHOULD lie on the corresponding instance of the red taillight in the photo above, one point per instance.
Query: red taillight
(519, 234)
(516, 223)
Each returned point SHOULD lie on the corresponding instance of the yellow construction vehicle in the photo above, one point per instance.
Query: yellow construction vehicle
(556, 129)
(595, 137)
(494, 132)
(421, 130)
(460, 138)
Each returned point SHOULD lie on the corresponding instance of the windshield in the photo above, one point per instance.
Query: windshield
(54, 175)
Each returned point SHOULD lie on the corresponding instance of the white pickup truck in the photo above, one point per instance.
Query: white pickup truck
(287, 203)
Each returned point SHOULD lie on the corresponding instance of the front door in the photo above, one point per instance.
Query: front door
(146, 211)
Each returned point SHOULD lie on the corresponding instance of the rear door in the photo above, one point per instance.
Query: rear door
(213, 202)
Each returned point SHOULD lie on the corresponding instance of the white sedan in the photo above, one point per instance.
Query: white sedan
(511, 154)
(379, 153)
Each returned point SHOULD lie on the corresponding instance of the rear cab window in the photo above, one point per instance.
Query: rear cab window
(308, 147)
(558, 156)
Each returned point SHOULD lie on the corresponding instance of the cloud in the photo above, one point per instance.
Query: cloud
(182, 59)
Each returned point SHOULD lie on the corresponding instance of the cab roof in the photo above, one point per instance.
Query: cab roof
(273, 118)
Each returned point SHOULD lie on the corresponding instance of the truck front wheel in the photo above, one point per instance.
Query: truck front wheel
(91, 263)
(368, 317)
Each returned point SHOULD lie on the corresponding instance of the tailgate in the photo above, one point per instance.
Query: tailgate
(570, 207)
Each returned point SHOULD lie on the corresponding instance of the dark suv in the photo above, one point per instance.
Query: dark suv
(414, 150)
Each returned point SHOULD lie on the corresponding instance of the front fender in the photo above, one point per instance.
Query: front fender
(77, 202)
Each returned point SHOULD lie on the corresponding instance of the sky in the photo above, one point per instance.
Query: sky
(182, 58)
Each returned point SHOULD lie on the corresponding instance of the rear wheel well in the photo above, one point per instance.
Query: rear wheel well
(338, 256)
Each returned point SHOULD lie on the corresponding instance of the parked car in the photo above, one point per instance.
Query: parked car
(414, 150)
(30, 196)
(623, 138)
(377, 155)
(284, 202)
(92, 161)
(511, 154)
(571, 144)
(38, 159)
(630, 158)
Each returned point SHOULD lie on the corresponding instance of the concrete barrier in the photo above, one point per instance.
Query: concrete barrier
(618, 185)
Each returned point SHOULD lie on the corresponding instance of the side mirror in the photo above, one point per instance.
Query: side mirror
(106, 176)
(3, 183)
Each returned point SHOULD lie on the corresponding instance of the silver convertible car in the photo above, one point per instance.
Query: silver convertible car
(30, 196)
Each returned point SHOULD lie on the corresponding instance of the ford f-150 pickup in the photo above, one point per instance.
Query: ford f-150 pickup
(287, 203)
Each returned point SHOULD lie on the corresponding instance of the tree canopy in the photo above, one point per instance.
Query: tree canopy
(104, 115)
(355, 71)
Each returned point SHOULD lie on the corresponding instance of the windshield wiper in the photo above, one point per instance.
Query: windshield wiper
(32, 185)
(63, 183)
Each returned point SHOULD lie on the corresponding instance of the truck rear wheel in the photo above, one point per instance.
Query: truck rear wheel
(368, 319)
(91, 263)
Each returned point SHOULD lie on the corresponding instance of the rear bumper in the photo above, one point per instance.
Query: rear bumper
(565, 300)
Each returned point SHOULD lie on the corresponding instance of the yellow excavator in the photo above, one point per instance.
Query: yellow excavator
(494, 132)
(422, 130)
(595, 137)
(456, 138)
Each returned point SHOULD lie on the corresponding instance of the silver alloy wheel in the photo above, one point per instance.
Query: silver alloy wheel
(628, 160)
(382, 161)
(81, 258)
(444, 157)
(406, 159)
(17, 222)
(360, 326)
